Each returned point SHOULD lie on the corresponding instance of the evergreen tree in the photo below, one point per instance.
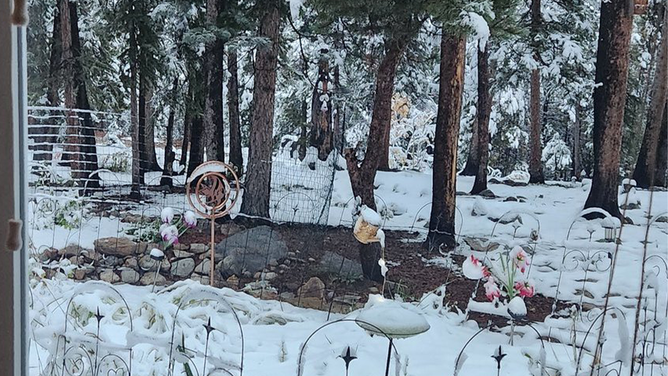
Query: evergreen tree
(612, 61)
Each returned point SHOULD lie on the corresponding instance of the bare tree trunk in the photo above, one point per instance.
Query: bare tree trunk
(213, 105)
(363, 173)
(168, 170)
(52, 96)
(143, 150)
(536, 150)
(646, 164)
(187, 122)
(147, 126)
(258, 179)
(236, 158)
(484, 110)
(70, 149)
(662, 152)
(137, 174)
(43, 136)
(612, 62)
(149, 142)
(80, 141)
(337, 138)
(442, 219)
(196, 156)
(473, 158)
(321, 112)
(88, 148)
(577, 154)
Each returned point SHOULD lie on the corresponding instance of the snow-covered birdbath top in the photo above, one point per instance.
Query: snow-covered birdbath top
(391, 318)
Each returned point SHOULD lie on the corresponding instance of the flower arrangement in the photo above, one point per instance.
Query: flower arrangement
(171, 228)
(504, 277)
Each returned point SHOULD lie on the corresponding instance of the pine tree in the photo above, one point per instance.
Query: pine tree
(258, 178)
(612, 61)
(451, 84)
(535, 162)
(645, 166)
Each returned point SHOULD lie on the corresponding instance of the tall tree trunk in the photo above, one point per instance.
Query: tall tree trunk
(88, 148)
(473, 158)
(236, 158)
(337, 138)
(213, 105)
(321, 112)
(258, 179)
(70, 149)
(536, 150)
(577, 154)
(444, 183)
(149, 130)
(612, 62)
(43, 136)
(144, 154)
(168, 170)
(662, 152)
(484, 110)
(362, 173)
(196, 156)
(187, 125)
(646, 164)
(53, 85)
(80, 148)
(137, 174)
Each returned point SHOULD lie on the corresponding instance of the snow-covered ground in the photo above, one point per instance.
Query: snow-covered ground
(274, 332)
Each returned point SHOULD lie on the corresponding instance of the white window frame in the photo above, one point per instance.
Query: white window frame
(14, 352)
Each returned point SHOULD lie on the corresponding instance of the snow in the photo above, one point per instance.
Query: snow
(370, 216)
(156, 253)
(275, 330)
(391, 318)
(167, 215)
(517, 307)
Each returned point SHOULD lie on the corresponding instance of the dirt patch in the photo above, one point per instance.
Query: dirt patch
(311, 248)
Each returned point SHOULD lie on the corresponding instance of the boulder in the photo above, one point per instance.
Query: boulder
(487, 193)
(198, 248)
(146, 263)
(250, 251)
(480, 244)
(340, 266)
(109, 276)
(116, 246)
(148, 278)
(110, 261)
(203, 267)
(183, 268)
(313, 288)
(129, 276)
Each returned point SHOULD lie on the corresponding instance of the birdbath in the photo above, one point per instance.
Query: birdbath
(391, 319)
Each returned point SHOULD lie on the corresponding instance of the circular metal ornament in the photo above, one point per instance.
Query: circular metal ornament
(213, 190)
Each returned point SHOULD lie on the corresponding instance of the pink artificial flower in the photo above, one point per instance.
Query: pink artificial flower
(492, 290)
(520, 258)
(167, 215)
(170, 234)
(190, 219)
(524, 289)
(473, 268)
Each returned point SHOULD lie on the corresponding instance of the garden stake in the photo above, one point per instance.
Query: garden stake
(599, 342)
(212, 184)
